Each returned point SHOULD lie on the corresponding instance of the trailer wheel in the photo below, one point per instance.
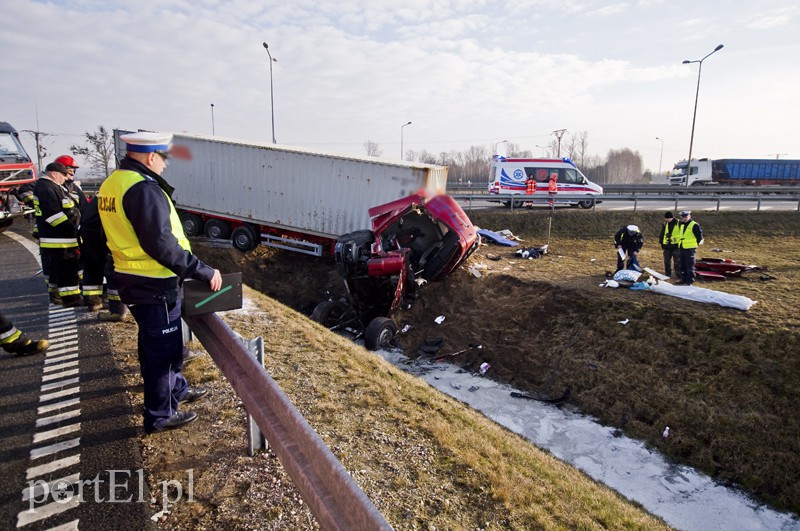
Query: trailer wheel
(192, 224)
(379, 332)
(327, 313)
(216, 228)
(244, 238)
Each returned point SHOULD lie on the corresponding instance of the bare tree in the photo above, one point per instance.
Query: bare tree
(373, 149)
(515, 151)
(625, 166)
(98, 151)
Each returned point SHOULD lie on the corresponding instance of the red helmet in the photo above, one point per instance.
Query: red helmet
(67, 161)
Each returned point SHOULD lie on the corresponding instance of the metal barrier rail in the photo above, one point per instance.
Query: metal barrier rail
(676, 198)
(330, 492)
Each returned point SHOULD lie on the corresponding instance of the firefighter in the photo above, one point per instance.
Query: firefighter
(152, 257)
(92, 254)
(58, 219)
(16, 342)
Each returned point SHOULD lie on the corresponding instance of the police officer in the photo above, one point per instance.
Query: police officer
(152, 257)
(690, 235)
(58, 219)
(669, 245)
(16, 342)
(629, 239)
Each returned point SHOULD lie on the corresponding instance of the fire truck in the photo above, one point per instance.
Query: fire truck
(16, 169)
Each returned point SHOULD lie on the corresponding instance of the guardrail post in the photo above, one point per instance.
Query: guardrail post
(255, 439)
(758, 204)
(718, 200)
(635, 203)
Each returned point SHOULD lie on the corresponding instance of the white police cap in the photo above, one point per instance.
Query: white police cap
(147, 142)
(633, 228)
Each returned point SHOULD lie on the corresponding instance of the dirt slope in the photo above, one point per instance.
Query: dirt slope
(721, 378)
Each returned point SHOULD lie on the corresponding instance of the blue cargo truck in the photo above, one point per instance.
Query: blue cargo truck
(738, 171)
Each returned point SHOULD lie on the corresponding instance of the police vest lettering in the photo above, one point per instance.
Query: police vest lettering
(107, 204)
(169, 330)
(129, 257)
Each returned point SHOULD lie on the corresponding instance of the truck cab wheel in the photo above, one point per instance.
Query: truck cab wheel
(216, 228)
(244, 238)
(327, 313)
(380, 331)
(192, 224)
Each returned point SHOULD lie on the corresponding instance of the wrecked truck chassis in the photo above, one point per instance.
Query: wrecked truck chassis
(414, 240)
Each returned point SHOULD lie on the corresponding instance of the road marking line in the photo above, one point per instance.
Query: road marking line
(58, 464)
(44, 451)
(58, 385)
(58, 367)
(58, 405)
(46, 511)
(65, 344)
(44, 421)
(49, 377)
(73, 333)
(37, 489)
(59, 394)
(58, 359)
(69, 526)
(58, 432)
(61, 351)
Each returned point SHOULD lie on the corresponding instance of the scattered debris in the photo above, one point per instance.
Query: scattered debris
(665, 433)
(458, 353)
(492, 256)
(455, 386)
(626, 321)
(473, 388)
(656, 274)
(405, 329)
(430, 347)
(474, 271)
(440, 319)
(484, 368)
(508, 234)
(531, 253)
(497, 238)
(609, 284)
(720, 268)
(554, 400)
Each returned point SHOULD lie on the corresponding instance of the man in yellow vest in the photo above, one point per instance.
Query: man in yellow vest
(152, 258)
(669, 245)
(690, 235)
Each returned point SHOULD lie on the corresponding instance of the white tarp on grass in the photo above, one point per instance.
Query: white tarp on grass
(694, 293)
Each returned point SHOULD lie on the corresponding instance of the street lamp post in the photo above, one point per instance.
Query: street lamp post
(694, 116)
(544, 150)
(661, 157)
(212, 120)
(497, 144)
(271, 98)
(402, 156)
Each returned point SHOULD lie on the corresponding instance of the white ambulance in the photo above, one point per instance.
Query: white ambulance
(518, 176)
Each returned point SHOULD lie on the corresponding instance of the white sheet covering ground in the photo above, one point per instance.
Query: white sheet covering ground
(694, 293)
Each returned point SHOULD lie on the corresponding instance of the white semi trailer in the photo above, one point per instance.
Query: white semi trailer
(288, 197)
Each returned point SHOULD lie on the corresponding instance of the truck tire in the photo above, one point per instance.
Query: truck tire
(360, 237)
(327, 313)
(192, 224)
(244, 238)
(216, 228)
(379, 332)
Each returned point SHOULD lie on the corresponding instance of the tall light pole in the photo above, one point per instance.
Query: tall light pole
(544, 150)
(694, 116)
(212, 120)
(660, 158)
(497, 144)
(271, 98)
(402, 156)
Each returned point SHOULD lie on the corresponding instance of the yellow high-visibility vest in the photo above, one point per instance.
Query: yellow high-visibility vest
(129, 257)
(687, 237)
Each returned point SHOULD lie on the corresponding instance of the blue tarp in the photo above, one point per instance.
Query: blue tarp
(496, 237)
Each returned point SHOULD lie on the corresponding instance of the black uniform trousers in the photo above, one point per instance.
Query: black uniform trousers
(672, 255)
(687, 265)
(161, 360)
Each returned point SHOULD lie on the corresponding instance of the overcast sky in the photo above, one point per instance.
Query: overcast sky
(464, 72)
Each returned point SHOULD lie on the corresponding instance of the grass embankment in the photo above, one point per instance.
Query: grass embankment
(727, 382)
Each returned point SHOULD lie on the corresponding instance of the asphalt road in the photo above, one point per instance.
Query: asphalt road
(657, 204)
(63, 414)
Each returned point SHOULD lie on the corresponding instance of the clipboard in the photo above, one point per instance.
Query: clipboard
(198, 298)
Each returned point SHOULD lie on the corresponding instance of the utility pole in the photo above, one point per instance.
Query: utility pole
(40, 149)
(558, 134)
(213, 133)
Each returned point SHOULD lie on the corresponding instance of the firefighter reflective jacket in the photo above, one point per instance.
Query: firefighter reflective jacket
(57, 215)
